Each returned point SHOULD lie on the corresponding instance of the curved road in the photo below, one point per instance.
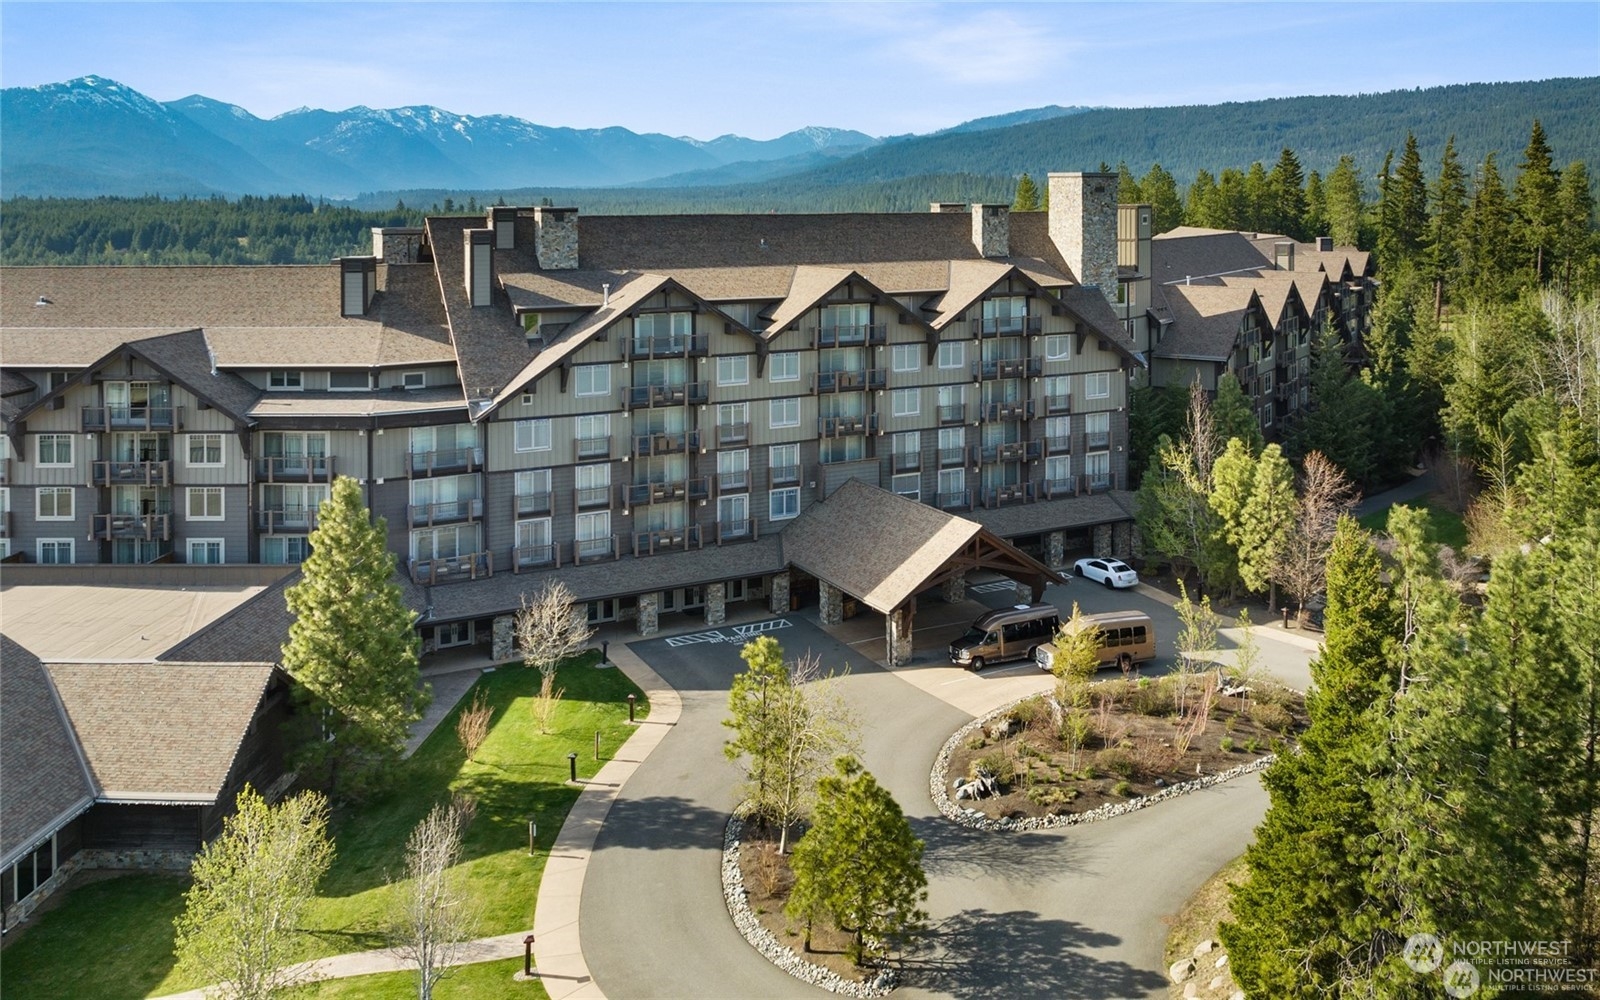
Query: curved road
(1069, 913)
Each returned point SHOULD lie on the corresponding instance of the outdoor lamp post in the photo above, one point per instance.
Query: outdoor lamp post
(527, 956)
(572, 766)
(630, 708)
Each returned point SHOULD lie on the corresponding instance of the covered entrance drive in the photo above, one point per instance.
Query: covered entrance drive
(884, 549)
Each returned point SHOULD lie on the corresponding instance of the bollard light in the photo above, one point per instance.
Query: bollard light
(630, 708)
(597, 744)
(527, 956)
(572, 765)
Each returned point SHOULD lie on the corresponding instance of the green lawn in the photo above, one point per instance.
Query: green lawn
(484, 981)
(520, 774)
(1447, 526)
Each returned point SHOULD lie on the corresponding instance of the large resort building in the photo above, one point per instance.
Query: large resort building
(637, 404)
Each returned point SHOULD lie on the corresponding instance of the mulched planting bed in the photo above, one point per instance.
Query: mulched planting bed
(767, 881)
(1131, 742)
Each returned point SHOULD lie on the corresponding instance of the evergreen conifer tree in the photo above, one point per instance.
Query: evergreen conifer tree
(1027, 198)
(1535, 206)
(1160, 189)
(1288, 196)
(1345, 207)
(1447, 201)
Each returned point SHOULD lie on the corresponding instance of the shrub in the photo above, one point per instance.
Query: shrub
(1117, 761)
(1123, 789)
(1252, 745)
(1226, 744)
(1269, 716)
(1271, 692)
(997, 764)
(976, 741)
(1154, 699)
(1032, 713)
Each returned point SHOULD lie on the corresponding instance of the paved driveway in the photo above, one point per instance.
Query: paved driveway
(1060, 914)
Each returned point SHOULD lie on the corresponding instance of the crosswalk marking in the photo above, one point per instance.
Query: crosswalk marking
(992, 588)
(741, 633)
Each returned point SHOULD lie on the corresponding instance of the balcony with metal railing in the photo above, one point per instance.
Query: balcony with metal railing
(682, 346)
(849, 380)
(1014, 410)
(733, 433)
(532, 503)
(589, 448)
(959, 500)
(149, 527)
(850, 335)
(133, 473)
(1005, 326)
(1009, 451)
(952, 457)
(1058, 404)
(535, 557)
(295, 469)
(745, 530)
(650, 397)
(1011, 493)
(1096, 440)
(648, 543)
(907, 461)
(594, 549)
(1098, 482)
(831, 427)
(422, 515)
(733, 482)
(670, 491)
(665, 443)
(783, 475)
(952, 413)
(1059, 488)
(1007, 368)
(297, 519)
(591, 497)
(1058, 444)
(452, 569)
(445, 462)
(132, 418)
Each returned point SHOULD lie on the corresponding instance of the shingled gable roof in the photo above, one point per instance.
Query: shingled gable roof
(42, 770)
(252, 632)
(969, 280)
(883, 548)
(160, 733)
(1278, 291)
(1205, 319)
(811, 284)
(184, 358)
(1180, 256)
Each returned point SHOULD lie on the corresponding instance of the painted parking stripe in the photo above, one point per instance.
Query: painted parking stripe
(741, 633)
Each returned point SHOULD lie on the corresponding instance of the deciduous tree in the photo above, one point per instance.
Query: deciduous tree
(352, 649)
(436, 916)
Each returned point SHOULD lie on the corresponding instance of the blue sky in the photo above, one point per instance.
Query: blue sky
(762, 69)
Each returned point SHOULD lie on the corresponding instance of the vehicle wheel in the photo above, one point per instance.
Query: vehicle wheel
(1077, 571)
(977, 664)
(1109, 584)
(1125, 662)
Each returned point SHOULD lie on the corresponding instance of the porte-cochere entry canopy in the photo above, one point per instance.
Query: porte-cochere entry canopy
(883, 549)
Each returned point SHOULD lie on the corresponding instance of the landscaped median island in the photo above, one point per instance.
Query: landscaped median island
(1043, 762)
(114, 939)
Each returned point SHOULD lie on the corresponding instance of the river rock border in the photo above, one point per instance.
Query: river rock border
(939, 788)
(765, 942)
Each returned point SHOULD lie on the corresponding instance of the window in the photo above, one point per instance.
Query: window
(533, 435)
(784, 367)
(284, 550)
(1005, 314)
(905, 357)
(783, 463)
(55, 449)
(57, 380)
(784, 413)
(952, 354)
(205, 551)
(907, 402)
(55, 551)
(1057, 347)
(1058, 470)
(733, 515)
(1097, 385)
(907, 485)
(733, 370)
(284, 380)
(1097, 430)
(733, 470)
(205, 449)
(414, 380)
(205, 503)
(734, 415)
(591, 380)
(593, 534)
(952, 483)
(360, 381)
(783, 504)
(1097, 467)
(54, 503)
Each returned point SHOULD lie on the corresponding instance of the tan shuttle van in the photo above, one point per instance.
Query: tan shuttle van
(1008, 634)
(1126, 638)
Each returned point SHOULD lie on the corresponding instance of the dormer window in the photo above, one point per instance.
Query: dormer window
(350, 381)
(285, 380)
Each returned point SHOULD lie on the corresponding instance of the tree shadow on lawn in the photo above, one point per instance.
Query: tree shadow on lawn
(997, 956)
(954, 852)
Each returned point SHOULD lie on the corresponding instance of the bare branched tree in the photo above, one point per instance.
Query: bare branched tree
(550, 628)
(472, 725)
(1202, 433)
(436, 916)
(817, 726)
(1325, 494)
(546, 702)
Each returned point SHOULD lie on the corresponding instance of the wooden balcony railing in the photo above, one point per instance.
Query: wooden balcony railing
(671, 491)
(295, 520)
(535, 557)
(448, 462)
(646, 543)
(132, 418)
(847, 426)
(665, 443)
(1009, 326)
(849, 380)
(133, 473)
(1007, 368)
(423, 515)
(1012, 493)
(664, 347)
(149, 527)
(645, 397)
(452, 569)
(533, 503)
(848, 335)
(1010, 411)
(296, 469)
(594, 549)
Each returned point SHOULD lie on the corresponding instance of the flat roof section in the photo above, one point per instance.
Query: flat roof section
(117, 624)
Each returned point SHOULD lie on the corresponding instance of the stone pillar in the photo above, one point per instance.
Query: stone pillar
(716, 603)
(505, 638)
(898, 632)
(1102, 541)
(649, 613)
(1055, 549)
(1024, 593)
(955, 588)
(1122, 540)
(778, 593)
(830, 601)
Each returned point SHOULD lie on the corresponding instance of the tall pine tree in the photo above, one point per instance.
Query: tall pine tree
(1535, 206)
(1288, 196)
(1345, 203)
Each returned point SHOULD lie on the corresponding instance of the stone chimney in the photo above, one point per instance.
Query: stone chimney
(397, 244)
(1083, 226)
(947, 207)
(991, 230)
(503, 220)
(555, 241)
(1283, 255)
(358, 283)
(479, 265)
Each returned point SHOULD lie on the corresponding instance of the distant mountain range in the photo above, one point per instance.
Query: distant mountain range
(93, 136)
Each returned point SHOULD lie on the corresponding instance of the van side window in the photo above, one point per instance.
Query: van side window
(1138, 634)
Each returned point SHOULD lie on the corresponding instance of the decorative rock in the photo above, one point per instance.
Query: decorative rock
(1237, 995)
(1002, 727)
(1217, 983)
(1222, 960)
(1181, 970)
(1191, 990)
(1206, 947)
